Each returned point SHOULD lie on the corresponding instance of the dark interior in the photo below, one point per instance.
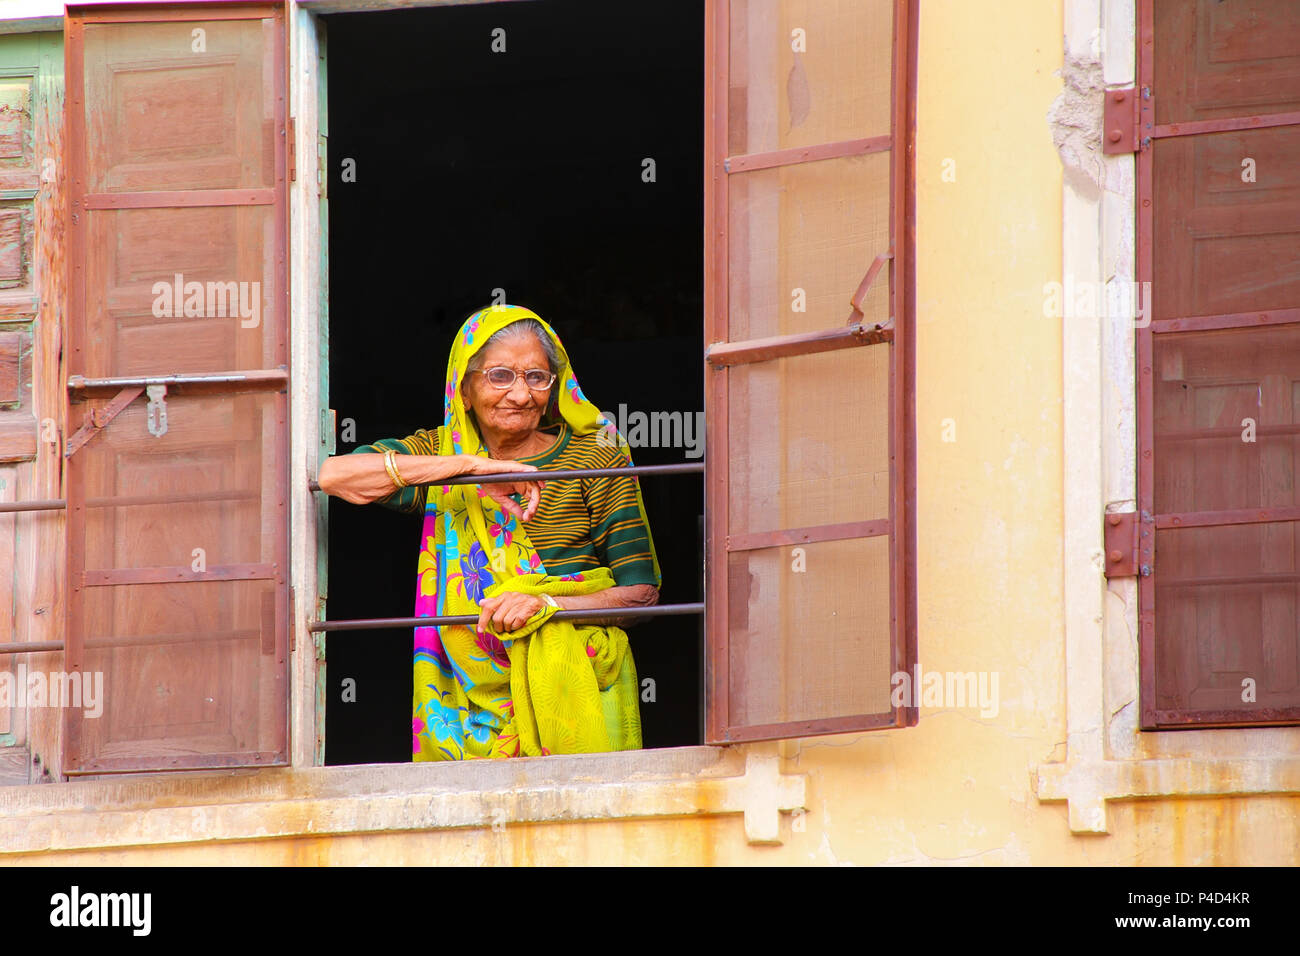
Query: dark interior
(519, 170)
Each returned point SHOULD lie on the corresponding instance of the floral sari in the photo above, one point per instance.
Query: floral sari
(549, 687)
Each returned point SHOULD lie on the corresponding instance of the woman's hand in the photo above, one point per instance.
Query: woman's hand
(508, 612)
(500, 491)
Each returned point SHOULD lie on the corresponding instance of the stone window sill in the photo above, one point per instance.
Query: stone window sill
(212, 806)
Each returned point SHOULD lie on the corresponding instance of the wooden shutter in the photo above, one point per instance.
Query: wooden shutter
(31, 97)
(808, 152)
(1219, 365)
(177, 536)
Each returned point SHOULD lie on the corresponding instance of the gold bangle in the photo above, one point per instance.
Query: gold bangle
(390, 465)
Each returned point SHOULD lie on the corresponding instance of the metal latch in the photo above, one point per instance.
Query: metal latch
(156, 410)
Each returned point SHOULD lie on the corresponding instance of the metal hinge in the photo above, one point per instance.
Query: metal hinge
(1127, 120)
(1129, 544)
(1119, 132)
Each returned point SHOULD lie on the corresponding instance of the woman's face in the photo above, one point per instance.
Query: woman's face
(516, 410)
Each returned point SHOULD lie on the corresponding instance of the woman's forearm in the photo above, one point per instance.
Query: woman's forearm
(629, 595)
(363, 478)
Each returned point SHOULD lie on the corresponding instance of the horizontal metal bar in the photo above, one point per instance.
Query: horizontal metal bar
(199, 499)
(1214, 519)
(193, 637)
(114, 577)
(568, 474)
(179, 199)
(824, 532)
(268, 376)
(1196, 127)
(722, 354)
(1230, 320)
(1229, 580)
(31, 647)
(1233, 432)
(97, 642)
(806, 154)
(45, 504)
(587, 614)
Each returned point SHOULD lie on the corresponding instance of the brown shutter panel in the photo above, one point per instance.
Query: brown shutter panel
(1219, 366)
(810, 580)
(177, 518)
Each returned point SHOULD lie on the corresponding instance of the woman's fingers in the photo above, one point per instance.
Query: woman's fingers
(508, 504)
(500, 491)
(500, 466)
(509, 612)
(532, 492)
(524, 608)
(507, 615)
(534, 499)
(486, 608)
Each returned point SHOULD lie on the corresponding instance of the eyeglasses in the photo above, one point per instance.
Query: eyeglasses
(539, 380)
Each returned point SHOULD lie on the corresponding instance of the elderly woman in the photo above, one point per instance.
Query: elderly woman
(519, 683)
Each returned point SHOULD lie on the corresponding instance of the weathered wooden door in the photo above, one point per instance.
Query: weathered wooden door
(177, 473)
(808, 575)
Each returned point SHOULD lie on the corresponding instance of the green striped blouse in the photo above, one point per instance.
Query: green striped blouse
(588, 523)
